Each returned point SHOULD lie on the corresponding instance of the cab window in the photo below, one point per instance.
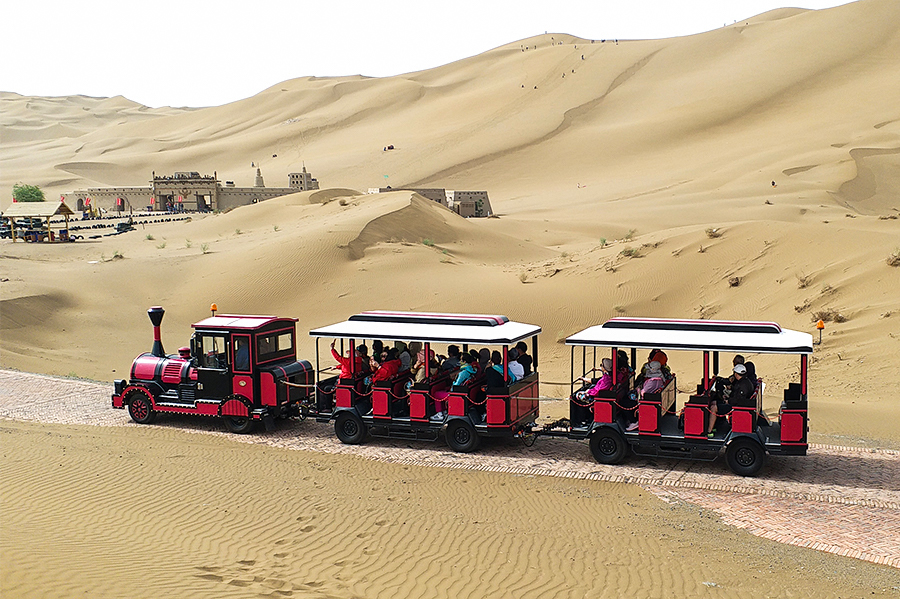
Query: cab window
(213, 352)
(274, 345)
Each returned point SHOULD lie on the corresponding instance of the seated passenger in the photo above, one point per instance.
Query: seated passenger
(419, 359)
(467, 371)
(604, 383)
(404, 355)
(653, 379)
(742, 389)
(484, 359)
(494, 376)
(390, 366)
(524, 359)
(452, 362)
(415, 349)
(363, 351)
(751, 373)
(346, 361)
(515, 367)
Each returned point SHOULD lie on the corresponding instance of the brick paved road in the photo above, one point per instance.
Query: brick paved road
(839, 499)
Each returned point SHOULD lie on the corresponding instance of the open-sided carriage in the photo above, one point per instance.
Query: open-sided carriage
(663, 429)
(405, 408)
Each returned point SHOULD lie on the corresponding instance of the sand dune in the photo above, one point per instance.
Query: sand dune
(640, 184)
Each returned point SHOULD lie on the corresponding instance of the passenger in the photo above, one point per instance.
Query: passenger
(363, 352)
(515, 367)
(497, 365)
(604, 383)
(415, 349)
(494, 372)
(476, 358)
(242, 355)
(390, 367)
(467, 371)
(742, 389)
(452, 362)
(484, 359)
(345, 361)
(751, 373)
(653, 380)
(524, 359)
(404, 355)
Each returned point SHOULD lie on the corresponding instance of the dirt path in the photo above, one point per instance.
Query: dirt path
(838, 499)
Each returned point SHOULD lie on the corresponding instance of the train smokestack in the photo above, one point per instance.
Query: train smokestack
(156, 316)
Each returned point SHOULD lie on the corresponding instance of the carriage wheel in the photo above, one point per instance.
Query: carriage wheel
(745, 457)
(349, 428)
(141, 408)
(238, 424)
(608, 447)
(461, 436)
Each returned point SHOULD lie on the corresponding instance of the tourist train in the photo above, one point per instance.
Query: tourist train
(244, 369)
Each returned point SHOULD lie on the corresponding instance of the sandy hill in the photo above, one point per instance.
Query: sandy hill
(748, 172)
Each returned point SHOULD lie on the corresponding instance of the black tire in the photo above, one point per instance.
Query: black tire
(745, 457)
(140, 407)
(238, 424)
(608, 447)
(461, 436)
(350, 428)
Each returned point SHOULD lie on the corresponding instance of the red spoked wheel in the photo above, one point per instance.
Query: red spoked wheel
(140, 407)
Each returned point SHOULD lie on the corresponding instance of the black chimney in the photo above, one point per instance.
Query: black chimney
(156, 315)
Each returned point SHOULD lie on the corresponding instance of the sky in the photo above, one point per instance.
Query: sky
(212, 52)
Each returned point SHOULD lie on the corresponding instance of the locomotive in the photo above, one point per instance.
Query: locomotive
(236, 368)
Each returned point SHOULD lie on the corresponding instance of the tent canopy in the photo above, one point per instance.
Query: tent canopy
(37, 209)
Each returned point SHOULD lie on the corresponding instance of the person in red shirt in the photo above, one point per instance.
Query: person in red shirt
(345, 362)
(388, 368)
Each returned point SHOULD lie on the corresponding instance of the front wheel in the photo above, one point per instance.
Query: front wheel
(461, 436)
(745, 457)
(141, 408)
(608, 447)
(349, 428)
(238, 424)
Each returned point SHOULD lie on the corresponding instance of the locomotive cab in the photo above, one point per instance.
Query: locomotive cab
(242, 368)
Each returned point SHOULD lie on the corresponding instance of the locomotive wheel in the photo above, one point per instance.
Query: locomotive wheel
(141, 408)
(745, 457)
(349, 428)
(461, 436)
(238, 424)
(608, 447)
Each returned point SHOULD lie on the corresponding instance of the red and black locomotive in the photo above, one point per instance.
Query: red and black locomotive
(236, 368)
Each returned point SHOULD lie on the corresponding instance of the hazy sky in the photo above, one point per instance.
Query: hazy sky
(202, 53)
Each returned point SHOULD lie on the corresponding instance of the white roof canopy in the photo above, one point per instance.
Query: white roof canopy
(695, 334)
(430, 327)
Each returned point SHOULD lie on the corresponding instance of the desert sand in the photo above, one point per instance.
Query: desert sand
(640, 184)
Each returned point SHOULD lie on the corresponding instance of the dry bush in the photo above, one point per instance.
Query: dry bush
(828, 315)
(714, 232)
(630, 252)
(802, 308)
(803, 281)
(893, 259)
(734, 281)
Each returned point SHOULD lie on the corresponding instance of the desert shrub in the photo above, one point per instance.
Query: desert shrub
(523, 277)
(117, 255)
(602, 242)
(630, 235)
(893, 259)
(161, 246)
(734, 281)
(428, 242)
(828, 315)
(803, 281)
(714, 232)
(204, 248)
(630, 252)
(150, 237)
(188, 243)
(238, 231)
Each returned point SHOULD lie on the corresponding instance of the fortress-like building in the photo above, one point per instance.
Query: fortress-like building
(463, 203)
(186, 190)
